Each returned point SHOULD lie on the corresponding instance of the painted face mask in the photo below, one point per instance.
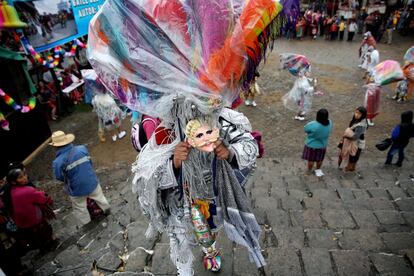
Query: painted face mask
(201, 135)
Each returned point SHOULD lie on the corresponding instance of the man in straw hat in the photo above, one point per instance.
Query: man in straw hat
(73, 166)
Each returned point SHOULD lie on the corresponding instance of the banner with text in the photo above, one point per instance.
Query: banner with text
(54, 22)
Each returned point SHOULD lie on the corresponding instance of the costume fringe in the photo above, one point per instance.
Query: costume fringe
(181, 254)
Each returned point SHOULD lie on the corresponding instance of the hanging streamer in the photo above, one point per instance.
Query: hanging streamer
(53, 61)
(3, 122)
(10, 102)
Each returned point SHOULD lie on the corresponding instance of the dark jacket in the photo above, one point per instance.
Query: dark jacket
(402, 133)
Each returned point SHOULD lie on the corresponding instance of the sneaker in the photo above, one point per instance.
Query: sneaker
(247, 102)
(319, 173)
(114, 138)
(370, 123)
(297, 117)
(122, 134)
(301, 118)
(254, 103)
(395, 97)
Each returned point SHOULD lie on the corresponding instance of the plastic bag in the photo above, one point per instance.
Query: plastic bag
(372, 100)
(409, 55)
(387, 72)
(149, 52)
(408, 71)
(297, 65)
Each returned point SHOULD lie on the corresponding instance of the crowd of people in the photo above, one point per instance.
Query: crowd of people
(369, 58)
(68, 72)
(314, 24)
(352, 142)
(26, 211)
(44, 24)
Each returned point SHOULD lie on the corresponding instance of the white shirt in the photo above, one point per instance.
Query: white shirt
(374, 60)
(353, 27)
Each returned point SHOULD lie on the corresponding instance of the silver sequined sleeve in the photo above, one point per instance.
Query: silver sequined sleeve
(235, 129)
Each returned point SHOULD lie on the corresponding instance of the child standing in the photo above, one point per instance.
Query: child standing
(353, 28)
(254, 90)
(401, 91)
(408, 70)
(401, 136)
(334, 29)
(318, 132)
(342, 27)
(353, 140)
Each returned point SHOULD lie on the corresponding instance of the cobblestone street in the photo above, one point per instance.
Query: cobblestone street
(342, 224)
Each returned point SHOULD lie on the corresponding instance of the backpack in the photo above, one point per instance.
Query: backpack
(138, 135)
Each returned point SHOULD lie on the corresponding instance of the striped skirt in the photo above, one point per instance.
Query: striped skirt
(313, 155)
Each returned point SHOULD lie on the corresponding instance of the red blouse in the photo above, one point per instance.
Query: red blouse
(26, 201)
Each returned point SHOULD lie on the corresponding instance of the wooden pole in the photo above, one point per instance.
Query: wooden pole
(36, 152)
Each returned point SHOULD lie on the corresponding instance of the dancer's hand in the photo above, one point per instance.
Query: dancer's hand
(181, 154)
(221, 150)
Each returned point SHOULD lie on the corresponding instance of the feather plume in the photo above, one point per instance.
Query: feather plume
(252, 36)
(214, 22)
(145, 50)
(172, 14)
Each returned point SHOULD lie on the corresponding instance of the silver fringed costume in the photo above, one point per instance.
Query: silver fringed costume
(109, 114)
(219, 181)
(299, 98)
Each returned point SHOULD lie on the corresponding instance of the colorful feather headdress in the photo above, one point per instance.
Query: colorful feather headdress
(297, 65)
(146, 50)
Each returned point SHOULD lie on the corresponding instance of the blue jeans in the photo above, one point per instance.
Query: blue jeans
(392, 151)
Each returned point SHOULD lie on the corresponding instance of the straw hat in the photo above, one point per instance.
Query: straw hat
(59, 138)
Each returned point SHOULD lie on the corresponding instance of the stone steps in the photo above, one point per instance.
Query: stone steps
(341, 224)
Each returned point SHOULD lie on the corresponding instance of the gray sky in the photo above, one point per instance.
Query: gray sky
(48, 6)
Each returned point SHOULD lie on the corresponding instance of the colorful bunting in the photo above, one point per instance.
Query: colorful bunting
(10, 102)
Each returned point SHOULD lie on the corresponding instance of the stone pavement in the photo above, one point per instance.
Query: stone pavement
(341, 224)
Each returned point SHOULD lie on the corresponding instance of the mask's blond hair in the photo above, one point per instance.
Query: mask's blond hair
(191, 127)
